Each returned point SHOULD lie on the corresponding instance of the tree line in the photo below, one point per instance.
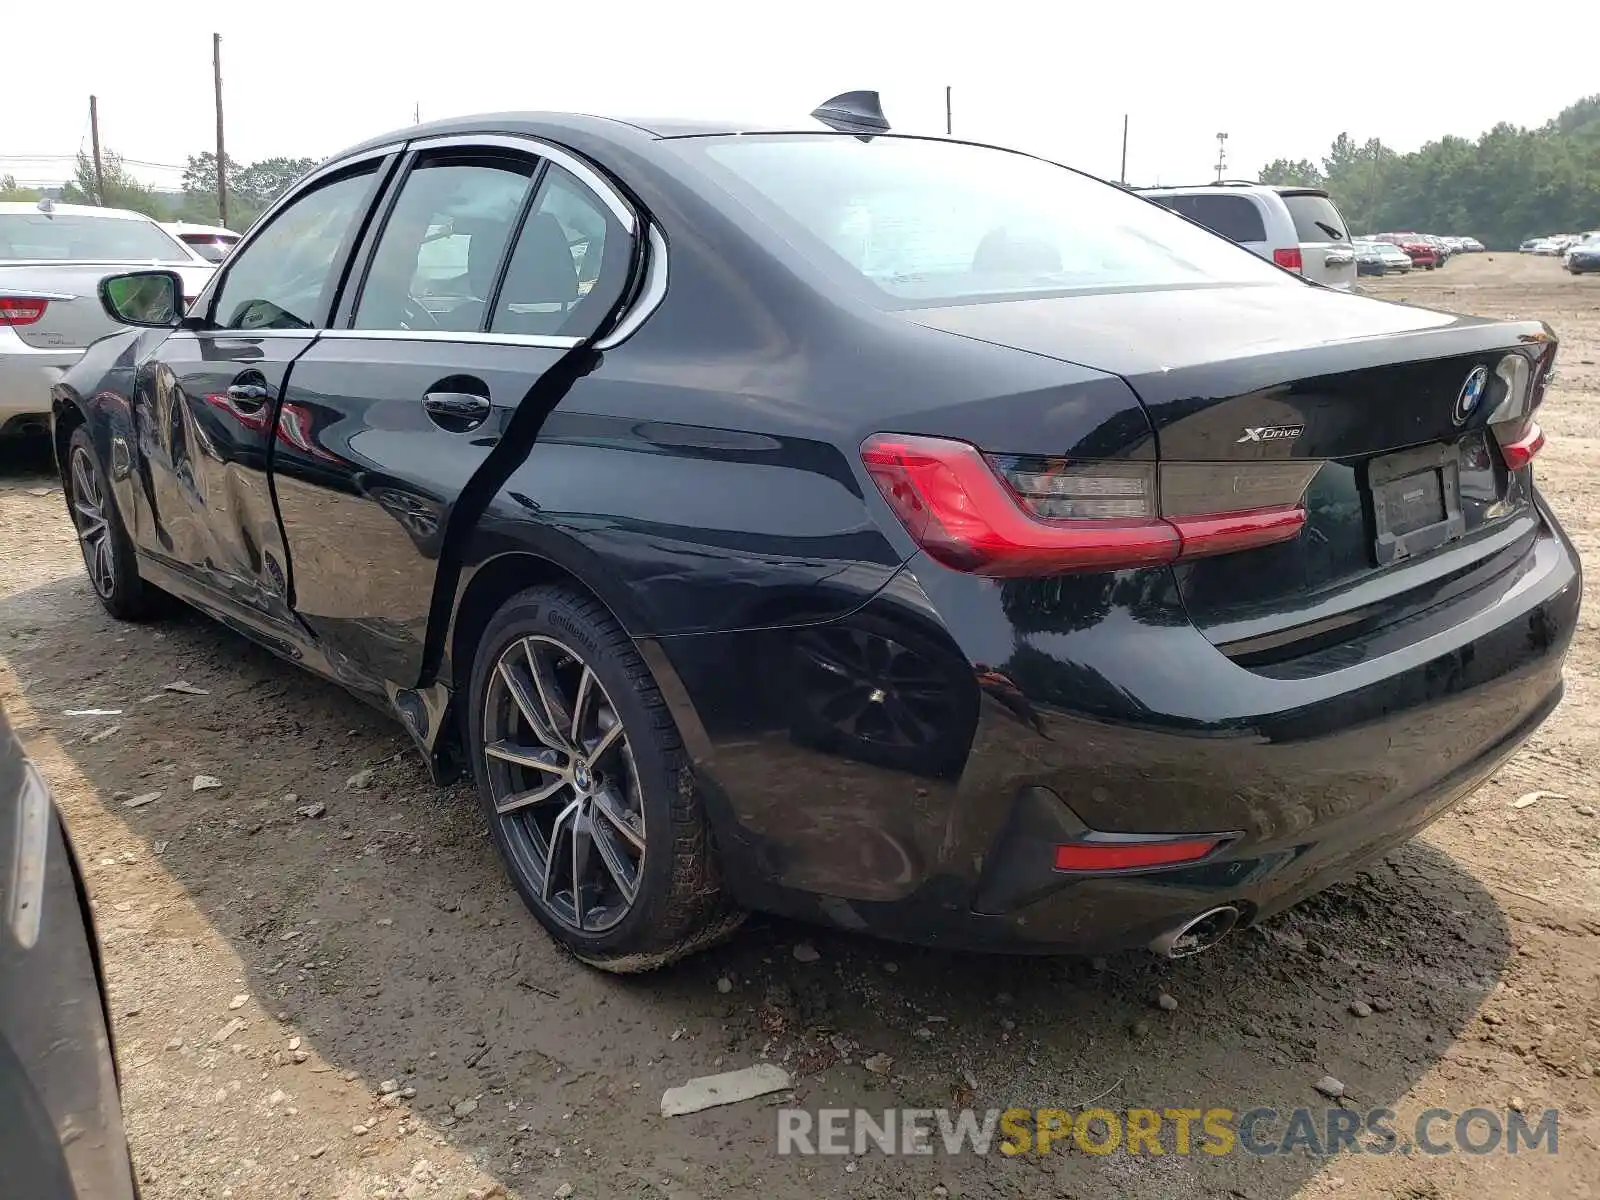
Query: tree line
(251, 188)
(1508, 185)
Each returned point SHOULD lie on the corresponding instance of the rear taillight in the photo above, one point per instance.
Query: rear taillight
(1519, 448)
(1289, 259)
(1518, 387)
(21, 310)
(1023, 515)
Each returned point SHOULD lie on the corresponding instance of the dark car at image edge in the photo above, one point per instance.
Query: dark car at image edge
(898, 533)
(61, 1132)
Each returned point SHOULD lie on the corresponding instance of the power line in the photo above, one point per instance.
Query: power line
(72, 158)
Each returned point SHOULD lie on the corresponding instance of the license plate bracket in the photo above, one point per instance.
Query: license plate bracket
(1416, 501)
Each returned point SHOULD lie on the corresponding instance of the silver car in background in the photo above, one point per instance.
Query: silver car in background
(210, 242)
(52, 259)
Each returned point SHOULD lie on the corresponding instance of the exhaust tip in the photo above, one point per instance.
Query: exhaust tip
(1197, 933)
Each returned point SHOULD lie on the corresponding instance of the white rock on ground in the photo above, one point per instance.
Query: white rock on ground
(730, 1087)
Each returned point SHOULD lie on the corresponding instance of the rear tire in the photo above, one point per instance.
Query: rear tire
(108, 553)
(587, 789)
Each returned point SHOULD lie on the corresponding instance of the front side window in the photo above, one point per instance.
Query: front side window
(285, 278)
(929, 221)
(569, 266)
(76, 237)
(435, 264)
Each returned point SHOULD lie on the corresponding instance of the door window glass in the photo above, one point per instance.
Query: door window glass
(435, 264)
(284, 279)
(569, 266)
(1234, 217)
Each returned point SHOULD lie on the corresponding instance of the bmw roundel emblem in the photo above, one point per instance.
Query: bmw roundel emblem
(1471, 393)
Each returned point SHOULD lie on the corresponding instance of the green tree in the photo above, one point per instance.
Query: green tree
(1507, 185)
(121, 190)
(1285, 172)
(200, 174)
(263, 182)
(11, 192)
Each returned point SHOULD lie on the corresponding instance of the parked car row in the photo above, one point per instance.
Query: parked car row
(1556, 245)
(1428, 250)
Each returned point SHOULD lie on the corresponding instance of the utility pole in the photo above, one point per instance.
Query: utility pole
(222, 153)
(1222, 155)
(416, 114)
(94, 139)
(947, 125)
(1124, 175)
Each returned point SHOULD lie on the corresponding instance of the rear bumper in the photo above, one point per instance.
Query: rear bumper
(26, 375)
(1095, 700)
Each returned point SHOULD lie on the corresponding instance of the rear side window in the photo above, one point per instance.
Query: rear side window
(1315, 218)
(435, 265)
(569, 266)
(1235, 217)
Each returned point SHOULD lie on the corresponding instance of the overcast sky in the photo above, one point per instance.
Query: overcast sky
(308, 78)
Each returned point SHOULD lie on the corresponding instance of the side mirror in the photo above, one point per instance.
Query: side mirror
(149, 299)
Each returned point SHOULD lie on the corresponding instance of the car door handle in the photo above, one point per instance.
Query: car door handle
(1339, 259)
(462, 407)
(248, 393)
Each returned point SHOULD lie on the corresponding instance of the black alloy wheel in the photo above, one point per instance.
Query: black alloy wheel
(108, 553)
(587, 789)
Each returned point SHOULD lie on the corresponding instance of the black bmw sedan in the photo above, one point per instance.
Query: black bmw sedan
(899, 533)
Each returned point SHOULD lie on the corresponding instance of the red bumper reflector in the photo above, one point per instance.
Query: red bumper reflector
(1120, 856)
(1520, 453)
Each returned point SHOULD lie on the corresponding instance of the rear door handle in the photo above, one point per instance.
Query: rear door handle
(456, 408)
(248, 395)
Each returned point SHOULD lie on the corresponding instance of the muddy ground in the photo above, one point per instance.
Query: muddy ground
(380, 943)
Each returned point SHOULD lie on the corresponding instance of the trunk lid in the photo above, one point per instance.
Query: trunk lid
(73, 316)
(1326, 255)
(1411, 491)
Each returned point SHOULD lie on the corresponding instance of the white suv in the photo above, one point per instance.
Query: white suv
(1296, 227)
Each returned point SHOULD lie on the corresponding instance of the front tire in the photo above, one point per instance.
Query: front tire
(588, 792)
(108, 553)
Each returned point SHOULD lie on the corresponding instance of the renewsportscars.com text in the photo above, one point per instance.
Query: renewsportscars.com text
(1213, 1131)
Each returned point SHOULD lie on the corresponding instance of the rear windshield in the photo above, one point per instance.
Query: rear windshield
(930, 221)
(209, 246)
(1315, 218)
(39, 235)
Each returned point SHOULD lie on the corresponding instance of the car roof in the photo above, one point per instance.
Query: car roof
(1238, 185)
(556, 124)
(24, 207)
(191, 227)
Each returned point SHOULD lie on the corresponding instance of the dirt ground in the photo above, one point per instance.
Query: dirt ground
(379, 947)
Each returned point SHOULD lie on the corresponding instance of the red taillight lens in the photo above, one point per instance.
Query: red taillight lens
(1126, 855)
(21, 310)
(1289, 259)
(1519, 452)
(1010, 516)
(956, 509)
